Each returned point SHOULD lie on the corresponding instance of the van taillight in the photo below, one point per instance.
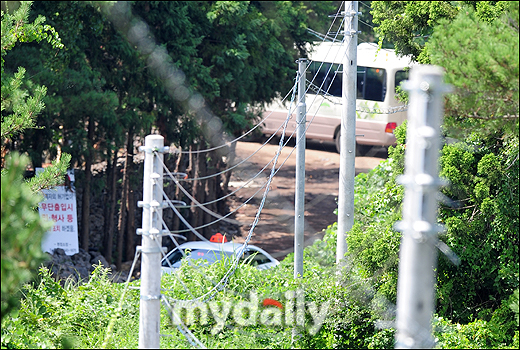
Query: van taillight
(390, 127)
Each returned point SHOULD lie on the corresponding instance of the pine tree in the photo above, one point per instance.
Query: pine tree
(22, 228)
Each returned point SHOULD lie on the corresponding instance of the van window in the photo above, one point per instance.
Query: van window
(327, 80)
(371, 82)
(400, 76)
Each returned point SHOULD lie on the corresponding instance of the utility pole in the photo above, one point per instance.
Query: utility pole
(299, 201)
(150, 303)
(418, 252)
(347, 164)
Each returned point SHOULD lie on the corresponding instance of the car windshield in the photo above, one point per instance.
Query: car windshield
(209, 255)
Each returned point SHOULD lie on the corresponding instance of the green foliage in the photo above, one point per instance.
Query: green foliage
(482, 221)
(488, 11)
(482, 227)
(21, 104)
(96, 73)
(22, 228)
(482, 224)
(323, 251)
(15, 28)
(78, 315)
(72, 316)
(499, 332)
(410, 24)
(350, 322)
(238, 54)
(483, 72)
(22, 100)
(514, 305)
(372, 242)
(22, 231)
(19, 107)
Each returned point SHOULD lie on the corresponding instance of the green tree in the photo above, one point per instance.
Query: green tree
(96, 96)
(242, 54)
(482, 218)
(480, 56)
(22, 228)
(234, 54)
(409, 24)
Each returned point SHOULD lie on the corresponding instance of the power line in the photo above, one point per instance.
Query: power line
(228, 143)
(365, 23)
(362, 3)
(234, 166)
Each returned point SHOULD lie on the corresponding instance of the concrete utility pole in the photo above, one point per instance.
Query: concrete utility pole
(418, 252)
(347, 165)
(150, 304)
(299, 201)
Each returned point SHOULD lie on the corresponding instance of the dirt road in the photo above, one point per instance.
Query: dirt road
(275, 229)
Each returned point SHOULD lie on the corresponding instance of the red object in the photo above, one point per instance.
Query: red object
(218, 238)
(390, 127)
(272, 302)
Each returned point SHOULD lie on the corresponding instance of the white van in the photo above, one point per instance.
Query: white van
(378, 111)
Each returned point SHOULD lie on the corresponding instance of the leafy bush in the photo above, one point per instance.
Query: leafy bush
(482, 227)
(482, 230)
(78, 315)
(52, 316)
(498, 333)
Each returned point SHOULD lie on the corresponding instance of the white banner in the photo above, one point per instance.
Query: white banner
(59, 205)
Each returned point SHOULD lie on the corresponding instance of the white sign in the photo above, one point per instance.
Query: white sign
(59, 205)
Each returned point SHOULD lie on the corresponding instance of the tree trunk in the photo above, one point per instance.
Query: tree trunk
(189, 170)
(211, 191)
(85, 203)
(130, 203)
(122, 213)
(230, 162)
(221, 206)
(108, 242)
(198, 192)
(177, 194)
(130, 238)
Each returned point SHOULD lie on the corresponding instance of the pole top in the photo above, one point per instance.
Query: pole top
(154, 137)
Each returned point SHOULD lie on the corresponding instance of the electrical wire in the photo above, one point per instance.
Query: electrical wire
(210, 294)
(246, 201)
(214, 148)
(243, 161)
(220, 217)
(235, 140)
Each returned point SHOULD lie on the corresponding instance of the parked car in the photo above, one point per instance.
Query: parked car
(214, 251)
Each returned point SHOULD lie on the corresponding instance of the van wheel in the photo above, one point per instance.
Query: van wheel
(361, 150)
